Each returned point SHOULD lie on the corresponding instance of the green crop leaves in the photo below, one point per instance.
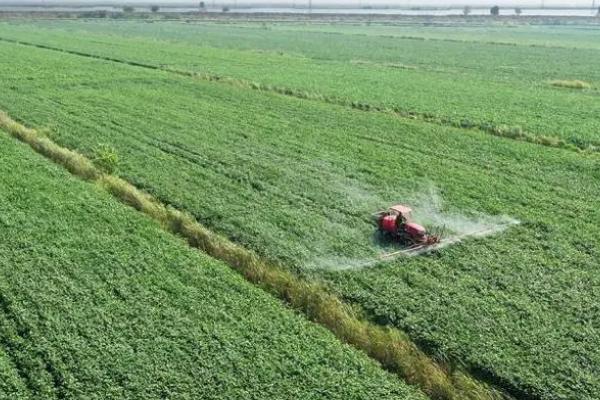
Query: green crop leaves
(393, 350)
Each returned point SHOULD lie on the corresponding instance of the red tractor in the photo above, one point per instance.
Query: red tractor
(396, 222)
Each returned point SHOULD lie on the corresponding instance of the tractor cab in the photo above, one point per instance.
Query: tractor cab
(402, 213)
(397, 222)
(394, 218)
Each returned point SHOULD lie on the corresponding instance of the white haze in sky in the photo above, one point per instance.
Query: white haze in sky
(316, 3)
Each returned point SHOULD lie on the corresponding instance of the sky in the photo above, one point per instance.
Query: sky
(400, 3)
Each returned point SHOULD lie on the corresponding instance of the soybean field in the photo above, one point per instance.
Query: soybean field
(283, 138)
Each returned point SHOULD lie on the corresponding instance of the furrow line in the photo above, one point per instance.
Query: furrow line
(390, 347)
(505, 131)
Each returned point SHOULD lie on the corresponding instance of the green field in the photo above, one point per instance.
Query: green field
(98, 302)
(496, 87)
(296, 179)
(559, 35)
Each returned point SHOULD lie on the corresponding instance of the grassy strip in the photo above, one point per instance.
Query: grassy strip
(73, 161)
(390, 347)
(511, 132)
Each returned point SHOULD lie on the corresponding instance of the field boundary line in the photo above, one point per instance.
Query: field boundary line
(392, 348)
(501, 130)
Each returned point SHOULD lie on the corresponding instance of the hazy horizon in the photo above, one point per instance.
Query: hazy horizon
(347, 3)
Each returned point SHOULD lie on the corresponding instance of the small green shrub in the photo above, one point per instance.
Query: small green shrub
(106, 158)
(580, 142)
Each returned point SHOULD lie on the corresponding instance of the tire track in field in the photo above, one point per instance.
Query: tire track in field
(218, 166)
(505, 131)
(282, 201)
(391, 347)
(195, 158)
(180, 151)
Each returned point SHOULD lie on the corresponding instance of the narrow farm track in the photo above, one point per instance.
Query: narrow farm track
(515, 133)
(389, 346)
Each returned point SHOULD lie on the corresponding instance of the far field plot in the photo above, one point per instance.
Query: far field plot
(97, 302)
(297, 180)
(504, 88)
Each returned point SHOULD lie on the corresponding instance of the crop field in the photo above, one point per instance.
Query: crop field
(560, 35)
(97, 302)
(499, 88)
(253, 131)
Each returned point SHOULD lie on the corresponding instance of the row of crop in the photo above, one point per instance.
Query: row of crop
(31, 362)
(183, 171)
